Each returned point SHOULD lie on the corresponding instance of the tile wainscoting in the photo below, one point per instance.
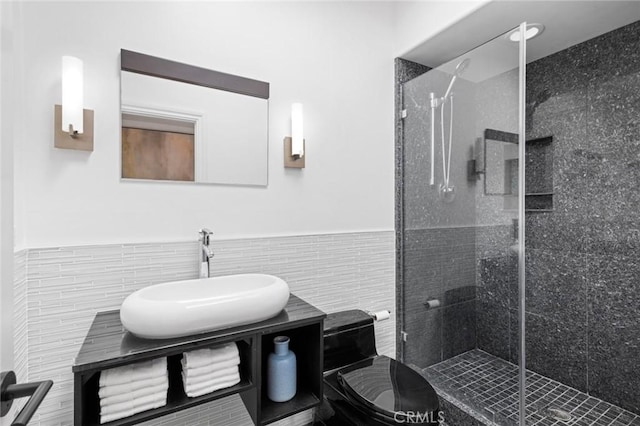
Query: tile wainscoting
(19, 325)
(59, 290)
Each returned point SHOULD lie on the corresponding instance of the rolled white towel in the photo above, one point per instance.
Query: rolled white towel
(133, 372)
(139, 393)
(104, 418)
(195, 379)
(206, 356)
(210, 368)
(134, 403)
(126, 388)
(212, 386)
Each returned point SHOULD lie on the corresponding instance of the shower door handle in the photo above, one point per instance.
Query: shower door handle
(9, 391)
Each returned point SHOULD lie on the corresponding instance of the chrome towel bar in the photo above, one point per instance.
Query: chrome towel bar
(9, 391)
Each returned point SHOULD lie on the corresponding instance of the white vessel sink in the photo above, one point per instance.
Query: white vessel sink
(181, 308)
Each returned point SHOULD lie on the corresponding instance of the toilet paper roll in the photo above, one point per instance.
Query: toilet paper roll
(381, 315)
(430, 304)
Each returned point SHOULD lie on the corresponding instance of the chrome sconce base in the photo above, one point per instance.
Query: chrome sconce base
(473, 174)
(72, 139)
(290, 160)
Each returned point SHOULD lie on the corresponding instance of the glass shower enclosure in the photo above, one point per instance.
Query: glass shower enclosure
(460, 222)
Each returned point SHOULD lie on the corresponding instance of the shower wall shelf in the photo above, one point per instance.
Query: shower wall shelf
(498, 160)
(539, 175)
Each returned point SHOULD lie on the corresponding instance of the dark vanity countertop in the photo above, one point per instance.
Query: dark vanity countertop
(108, 344)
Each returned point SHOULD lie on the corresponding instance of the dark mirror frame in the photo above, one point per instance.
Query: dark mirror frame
(497, 136)
(178, 71)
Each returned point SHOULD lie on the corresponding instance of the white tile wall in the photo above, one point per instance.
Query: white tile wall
(66, 286)
(19, 324)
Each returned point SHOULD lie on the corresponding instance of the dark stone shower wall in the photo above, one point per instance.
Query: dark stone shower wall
(435, 241)
(583, 259)
(439, 265)
(497, 292)
(404, 71)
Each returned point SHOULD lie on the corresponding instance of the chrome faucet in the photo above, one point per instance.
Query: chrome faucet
(206, 252)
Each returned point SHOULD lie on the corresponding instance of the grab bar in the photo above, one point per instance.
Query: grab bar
(9, 391)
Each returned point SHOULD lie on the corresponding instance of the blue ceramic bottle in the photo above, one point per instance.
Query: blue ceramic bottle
(281, 371)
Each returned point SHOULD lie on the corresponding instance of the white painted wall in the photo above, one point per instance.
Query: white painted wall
(417, 21)
(325, 55)
(7, 58)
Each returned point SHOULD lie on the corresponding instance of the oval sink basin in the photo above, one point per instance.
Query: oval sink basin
(181, 308)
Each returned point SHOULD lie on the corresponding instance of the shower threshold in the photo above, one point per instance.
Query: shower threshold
(487, 387)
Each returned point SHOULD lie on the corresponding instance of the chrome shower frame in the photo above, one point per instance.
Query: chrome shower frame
(522, 359)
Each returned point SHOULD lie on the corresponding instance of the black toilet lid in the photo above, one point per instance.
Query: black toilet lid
(388, 387)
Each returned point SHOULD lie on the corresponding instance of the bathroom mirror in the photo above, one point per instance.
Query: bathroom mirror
(500, 162)
(184, 123)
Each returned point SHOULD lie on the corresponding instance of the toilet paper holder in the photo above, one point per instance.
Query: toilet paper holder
(433, 303)
(380, 315)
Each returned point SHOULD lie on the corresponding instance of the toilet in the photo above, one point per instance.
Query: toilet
(364, 388)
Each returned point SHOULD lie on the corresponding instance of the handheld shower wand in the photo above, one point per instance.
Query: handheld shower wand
(447, 191)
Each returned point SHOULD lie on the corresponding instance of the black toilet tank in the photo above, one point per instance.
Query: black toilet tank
(349, 337)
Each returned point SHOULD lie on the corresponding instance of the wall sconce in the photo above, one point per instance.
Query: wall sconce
(73, 124)
(294, 154)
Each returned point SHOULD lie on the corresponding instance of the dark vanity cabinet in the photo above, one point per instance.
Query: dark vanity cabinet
(108, 345)
(308, 349)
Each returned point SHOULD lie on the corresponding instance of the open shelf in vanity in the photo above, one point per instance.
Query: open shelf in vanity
(108, 345)
(308, 349)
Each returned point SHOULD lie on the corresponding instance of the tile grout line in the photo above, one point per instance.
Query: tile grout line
(547, 392)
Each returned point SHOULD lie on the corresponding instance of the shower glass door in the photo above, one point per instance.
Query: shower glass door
(461, 250)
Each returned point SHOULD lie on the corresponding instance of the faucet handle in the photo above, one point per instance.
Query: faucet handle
(205, 235)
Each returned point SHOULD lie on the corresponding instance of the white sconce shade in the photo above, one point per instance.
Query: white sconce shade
(297, 133)
(72, 94)
(72, 124)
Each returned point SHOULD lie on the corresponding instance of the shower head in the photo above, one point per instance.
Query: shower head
(461, 67)
(457, 73)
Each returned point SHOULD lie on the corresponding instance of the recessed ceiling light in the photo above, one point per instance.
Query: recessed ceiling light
(533, 30)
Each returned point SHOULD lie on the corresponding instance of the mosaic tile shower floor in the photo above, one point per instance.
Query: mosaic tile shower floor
(489, 385)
